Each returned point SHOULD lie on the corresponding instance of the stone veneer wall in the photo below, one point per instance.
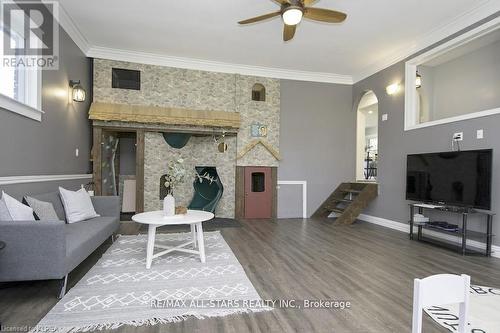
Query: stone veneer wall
(199, 90)
(199, 151)
(267, 113)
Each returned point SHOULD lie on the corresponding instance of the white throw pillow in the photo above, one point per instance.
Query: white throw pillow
(77, 205)
(17, 210)
(4, 212)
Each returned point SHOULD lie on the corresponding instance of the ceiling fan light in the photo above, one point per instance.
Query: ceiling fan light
(292, 16)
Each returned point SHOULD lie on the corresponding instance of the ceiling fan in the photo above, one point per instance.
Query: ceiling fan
(292, 12)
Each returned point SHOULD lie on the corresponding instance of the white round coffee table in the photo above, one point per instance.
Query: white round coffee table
(157, 219)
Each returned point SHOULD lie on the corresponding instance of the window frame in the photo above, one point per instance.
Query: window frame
(31, 82)
(411, 114)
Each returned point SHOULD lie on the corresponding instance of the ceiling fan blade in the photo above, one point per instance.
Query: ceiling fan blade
(308, 2)
(324, 15)
(288, 32)
(260, 18)
(282, 2)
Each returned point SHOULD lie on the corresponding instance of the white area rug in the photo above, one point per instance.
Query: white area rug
(484, 312)
(119, 290)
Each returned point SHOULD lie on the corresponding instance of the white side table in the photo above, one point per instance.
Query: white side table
(156, 219)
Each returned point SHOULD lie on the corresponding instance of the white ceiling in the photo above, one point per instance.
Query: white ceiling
(375, 34)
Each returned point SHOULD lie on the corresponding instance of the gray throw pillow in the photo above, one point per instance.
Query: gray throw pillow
(43, 210)
(4, 212)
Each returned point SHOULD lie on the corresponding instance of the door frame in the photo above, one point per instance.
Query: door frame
(239, 207)
(98, 132)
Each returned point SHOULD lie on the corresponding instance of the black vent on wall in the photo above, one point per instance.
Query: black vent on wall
(126, 79)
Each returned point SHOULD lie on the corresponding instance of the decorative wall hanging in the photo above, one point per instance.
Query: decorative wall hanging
(220, 142)
(258, 130)
(222, 147)
(254, 143)
(176, 140)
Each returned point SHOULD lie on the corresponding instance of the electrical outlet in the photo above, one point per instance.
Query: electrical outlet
(385, 116)
(480, 134)
(458, 136)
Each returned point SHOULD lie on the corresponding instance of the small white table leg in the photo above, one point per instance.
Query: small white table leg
(193, 233)
(201, 242)
(151, 245)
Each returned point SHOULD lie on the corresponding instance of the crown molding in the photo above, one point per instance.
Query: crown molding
(67, 23)
(458, 23)
(447, 29)
(214, 66)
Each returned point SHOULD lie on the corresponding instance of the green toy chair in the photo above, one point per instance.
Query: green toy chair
(206, 194)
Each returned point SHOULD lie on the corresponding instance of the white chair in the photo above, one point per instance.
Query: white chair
(441, 289)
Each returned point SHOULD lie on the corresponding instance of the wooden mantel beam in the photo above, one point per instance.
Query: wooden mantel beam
(163, 115)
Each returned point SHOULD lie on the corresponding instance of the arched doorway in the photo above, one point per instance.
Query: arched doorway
(367, 138)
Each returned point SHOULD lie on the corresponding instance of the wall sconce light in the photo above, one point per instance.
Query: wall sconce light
(78, 94)
(393, 88)
(418, 81)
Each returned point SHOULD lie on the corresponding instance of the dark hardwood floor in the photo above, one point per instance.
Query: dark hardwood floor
(370, 266)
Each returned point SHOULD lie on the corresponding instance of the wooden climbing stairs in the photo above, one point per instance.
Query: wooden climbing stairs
(347, 201)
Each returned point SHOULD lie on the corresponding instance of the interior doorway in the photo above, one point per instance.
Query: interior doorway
(258, 193)
(118, 169)
(367, 138)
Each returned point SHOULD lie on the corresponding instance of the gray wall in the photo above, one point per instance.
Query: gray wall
(29, 147)
(395, 144)
(469, 83)
(317, 142)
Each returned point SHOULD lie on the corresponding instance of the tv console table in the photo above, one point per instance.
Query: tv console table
(463, 233)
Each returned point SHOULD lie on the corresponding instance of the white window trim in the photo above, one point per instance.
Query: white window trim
(411, 112)
(10, 104)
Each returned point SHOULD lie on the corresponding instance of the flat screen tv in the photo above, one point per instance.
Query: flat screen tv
(458, 178)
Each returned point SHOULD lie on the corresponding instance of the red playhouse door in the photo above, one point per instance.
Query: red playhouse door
(258, 193)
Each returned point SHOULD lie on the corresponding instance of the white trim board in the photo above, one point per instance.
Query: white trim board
(303, 183)
(11, 105)
(215, 66)
(467, 116)
(495, 249)
(41, 179)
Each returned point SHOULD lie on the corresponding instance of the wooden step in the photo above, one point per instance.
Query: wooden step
(336, 210)
(352, 191)
(341, 200)
(359, 196)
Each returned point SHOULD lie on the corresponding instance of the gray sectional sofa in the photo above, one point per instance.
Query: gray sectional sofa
(43, 250)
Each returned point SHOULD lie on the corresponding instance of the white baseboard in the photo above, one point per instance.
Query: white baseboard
(403, 227)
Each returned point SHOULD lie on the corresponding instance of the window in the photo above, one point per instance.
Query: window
(258, 93)
(20, 88)
(258, 182)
